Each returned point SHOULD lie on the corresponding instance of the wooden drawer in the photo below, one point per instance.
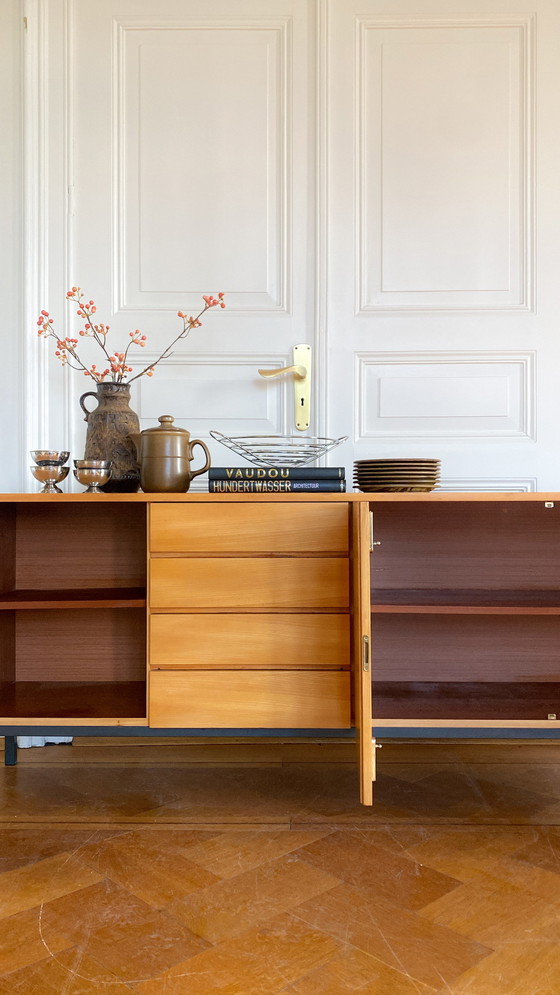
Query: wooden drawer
(246, 583)
(245, 641)
(258, 699)
(249, 528)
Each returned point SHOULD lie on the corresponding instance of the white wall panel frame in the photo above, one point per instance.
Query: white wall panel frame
(275, 34)
(220, 389)
(450, 414)
(502, 485)
(517, 293)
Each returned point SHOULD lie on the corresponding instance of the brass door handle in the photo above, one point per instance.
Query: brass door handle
(301, 370)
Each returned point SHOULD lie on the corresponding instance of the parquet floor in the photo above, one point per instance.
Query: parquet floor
(250, 869)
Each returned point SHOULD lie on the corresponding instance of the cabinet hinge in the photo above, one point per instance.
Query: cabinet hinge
(375, 746)
(372, 542)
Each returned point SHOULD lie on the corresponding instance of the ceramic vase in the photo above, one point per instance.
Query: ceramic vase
(110, 425)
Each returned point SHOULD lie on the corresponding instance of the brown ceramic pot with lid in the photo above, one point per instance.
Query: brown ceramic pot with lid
(165, 454)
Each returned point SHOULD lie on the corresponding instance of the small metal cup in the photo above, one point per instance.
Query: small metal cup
(49, 457)
(93, 476)
(50, 476)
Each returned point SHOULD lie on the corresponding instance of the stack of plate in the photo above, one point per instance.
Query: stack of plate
(396, 474)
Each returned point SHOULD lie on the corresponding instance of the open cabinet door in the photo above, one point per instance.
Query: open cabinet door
(361, 617)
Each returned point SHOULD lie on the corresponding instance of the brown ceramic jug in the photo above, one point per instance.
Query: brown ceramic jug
(110, 427)
(165, 455)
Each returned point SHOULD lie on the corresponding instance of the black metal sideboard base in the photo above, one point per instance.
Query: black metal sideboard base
(405, 733)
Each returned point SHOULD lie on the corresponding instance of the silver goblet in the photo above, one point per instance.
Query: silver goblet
(49, 457)
(50, 476)
(93, 476)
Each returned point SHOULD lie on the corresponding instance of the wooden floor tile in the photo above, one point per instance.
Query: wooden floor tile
(22, 941)
(69, 973)
(155, 866)
(542, 850)
(263, 961)
(78, 914)
(355, 971)
(530, 880)
(488, 912)
(231, 854)
(527, 777)
(357, 859)
(517, 969)
(236, 904)
(42, 881)
(462, 852)
(119, 931)
(143, 949)
(24, 845)
(457, 795)
(419, 949)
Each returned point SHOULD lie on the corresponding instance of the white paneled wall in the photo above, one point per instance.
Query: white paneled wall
(379, 180)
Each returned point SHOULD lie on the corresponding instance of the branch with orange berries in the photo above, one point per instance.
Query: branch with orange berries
(117, 363)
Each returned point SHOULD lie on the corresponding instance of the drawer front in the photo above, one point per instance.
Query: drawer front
(249, 700)
(249, 528)
(262, 640)
(245, 583)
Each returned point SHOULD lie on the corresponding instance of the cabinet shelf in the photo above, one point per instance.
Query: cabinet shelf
(496, 700)
(115, 597)
(73, 700)
(465, 601)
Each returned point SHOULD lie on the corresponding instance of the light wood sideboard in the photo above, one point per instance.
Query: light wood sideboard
(352, 614)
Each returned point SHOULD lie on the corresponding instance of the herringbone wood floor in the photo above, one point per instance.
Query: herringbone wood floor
(250, 869)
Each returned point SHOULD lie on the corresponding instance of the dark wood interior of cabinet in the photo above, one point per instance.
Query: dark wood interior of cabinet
(7, 547)
(101, 597)
(468, 600)
(74, 700)
(71, 546)
(466, 611)
(72, 610)
(465, 648)
(7, 647)
(482, 546)
(99, 644)
(498, 701)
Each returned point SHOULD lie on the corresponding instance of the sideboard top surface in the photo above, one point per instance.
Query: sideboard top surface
(349, 496)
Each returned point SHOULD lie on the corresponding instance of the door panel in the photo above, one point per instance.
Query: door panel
(361, 541)
(435, 210)
(180, 164)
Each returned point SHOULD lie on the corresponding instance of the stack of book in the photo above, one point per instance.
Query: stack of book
(276, 479)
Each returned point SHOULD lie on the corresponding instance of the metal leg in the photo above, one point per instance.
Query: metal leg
(10, 751)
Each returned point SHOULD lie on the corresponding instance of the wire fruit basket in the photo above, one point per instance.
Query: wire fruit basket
(278, 450)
